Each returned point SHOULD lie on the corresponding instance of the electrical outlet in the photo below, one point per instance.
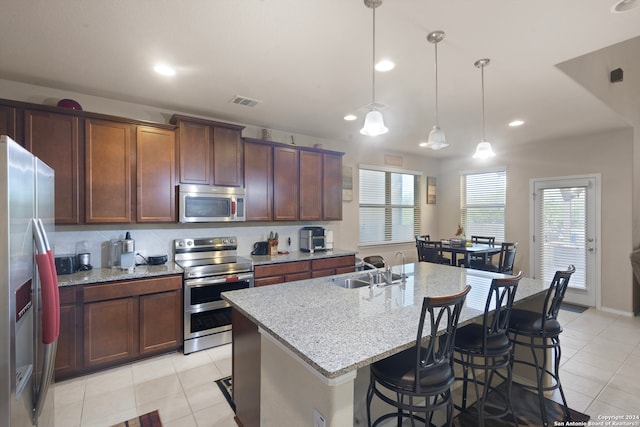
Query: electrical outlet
(318, 419)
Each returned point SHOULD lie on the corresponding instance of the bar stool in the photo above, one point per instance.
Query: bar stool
(423, 372)
(486, 347)
(540, 332)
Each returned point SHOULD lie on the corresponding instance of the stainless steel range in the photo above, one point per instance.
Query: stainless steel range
(211, 266)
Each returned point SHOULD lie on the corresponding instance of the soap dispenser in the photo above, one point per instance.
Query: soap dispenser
(127, 255)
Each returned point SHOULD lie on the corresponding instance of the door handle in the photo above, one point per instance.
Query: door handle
(590, 249)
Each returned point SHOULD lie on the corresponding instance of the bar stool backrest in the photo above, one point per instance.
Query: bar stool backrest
(444, 312)
(497, 310)
(555, 294)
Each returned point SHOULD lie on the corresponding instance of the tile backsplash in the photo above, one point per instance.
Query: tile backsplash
(158, 239)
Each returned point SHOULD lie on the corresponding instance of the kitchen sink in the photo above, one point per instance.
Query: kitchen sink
(365, 280)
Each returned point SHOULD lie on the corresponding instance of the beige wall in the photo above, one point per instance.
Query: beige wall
(609, 154)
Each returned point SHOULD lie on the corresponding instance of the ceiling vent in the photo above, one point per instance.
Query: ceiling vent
(243, 100)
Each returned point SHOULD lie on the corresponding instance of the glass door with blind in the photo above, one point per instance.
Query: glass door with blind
(565, 228)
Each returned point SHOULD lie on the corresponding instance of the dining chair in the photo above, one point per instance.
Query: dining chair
(431, 251)
(421, 376)
(505, 263)
(540, 331)
(486, 347)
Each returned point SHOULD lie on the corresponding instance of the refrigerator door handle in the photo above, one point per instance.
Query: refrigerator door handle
(50, 312)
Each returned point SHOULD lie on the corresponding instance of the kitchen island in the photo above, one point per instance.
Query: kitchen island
(299, 346)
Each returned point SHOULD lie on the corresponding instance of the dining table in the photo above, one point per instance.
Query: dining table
(477, 249)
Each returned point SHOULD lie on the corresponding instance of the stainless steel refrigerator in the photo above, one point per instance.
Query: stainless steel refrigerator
(29, 299)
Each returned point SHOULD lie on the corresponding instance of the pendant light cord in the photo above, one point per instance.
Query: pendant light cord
(482, 77)
(373, 65)
(436, 46)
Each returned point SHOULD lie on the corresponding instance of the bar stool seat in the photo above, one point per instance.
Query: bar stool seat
(471, 338)
(530, 323)
(398, 371)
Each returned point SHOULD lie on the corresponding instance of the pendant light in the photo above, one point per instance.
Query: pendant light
(436, 139)
(373, 122)
(483, 150)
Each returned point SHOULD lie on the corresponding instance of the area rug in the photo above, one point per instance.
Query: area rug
(573, 308)
(152, 419)
(526, 407)
(226, 387)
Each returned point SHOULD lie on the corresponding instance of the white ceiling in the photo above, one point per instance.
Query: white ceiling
(310, 62)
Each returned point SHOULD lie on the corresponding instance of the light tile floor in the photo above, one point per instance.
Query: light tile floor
(600, 373)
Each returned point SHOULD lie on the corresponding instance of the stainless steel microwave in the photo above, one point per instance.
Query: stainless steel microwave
(204, 203)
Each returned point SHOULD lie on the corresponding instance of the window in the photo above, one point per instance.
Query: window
(389, 205)
(482, 201)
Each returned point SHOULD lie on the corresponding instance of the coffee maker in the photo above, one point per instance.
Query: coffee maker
(83, 256)
(312, 239)
(122, 253)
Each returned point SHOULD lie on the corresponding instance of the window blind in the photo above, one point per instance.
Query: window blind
(389, 206)
(482, 204)
(561, 240)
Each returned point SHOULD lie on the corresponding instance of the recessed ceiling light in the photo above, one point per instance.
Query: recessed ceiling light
(516, 123)
(423, 144)
(624, 6)
(350, 117)
(164, 69)
(385, 65)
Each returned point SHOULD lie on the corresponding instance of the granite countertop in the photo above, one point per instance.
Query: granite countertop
(297, 256)
(337, 330)
(113, 274)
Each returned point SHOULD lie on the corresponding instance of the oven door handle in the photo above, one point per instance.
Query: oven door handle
(223, 279)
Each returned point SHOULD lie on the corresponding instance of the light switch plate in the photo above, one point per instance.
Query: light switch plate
(318, 419)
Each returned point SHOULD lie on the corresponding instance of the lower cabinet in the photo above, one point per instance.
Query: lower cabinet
(270, 274)
(113, 323)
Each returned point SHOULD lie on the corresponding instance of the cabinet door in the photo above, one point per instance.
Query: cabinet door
(109, 331)
(160, 322)
(310, 186)
(67, 350)
(108, 172)
(8, 122)
(155, 165)
(258, 166)
(53, 138)
(331, 186)
(196, 155)
(227, 158)
(285, 184)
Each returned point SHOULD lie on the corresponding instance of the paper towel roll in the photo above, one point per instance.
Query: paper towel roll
(328, 239)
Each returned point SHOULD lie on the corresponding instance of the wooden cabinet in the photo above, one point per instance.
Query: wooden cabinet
(285, 184)
(54, 138)
(310, 186)
(281, 272)
(67, 358)
(108, 171)
(9, 123)
(125, 321)
(155, 174)
(332, 266)
(332, 186)
(270, 274)
(209, 152)
(258, 181)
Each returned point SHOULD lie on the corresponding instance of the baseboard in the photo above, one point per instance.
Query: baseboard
(618, 312)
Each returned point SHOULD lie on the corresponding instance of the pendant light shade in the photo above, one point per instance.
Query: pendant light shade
(373, 121)
(436, 139)
(374, 124)
(483, 150)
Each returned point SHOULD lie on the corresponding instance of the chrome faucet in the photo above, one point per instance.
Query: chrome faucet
(404, 276)
(369, 272)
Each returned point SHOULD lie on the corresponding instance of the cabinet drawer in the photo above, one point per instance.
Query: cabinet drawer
(268, 281)
(326, 263)
(130, 288)
(297, 276)
(67, 295)
(281, 268)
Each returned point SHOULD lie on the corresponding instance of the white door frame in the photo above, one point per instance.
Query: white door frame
(597, 224)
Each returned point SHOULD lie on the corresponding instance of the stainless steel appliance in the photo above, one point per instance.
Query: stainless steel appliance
(203, 203)
(211, 266)
(29, 299)
(312, 239)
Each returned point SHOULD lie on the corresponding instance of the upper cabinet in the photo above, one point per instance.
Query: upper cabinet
(209, 153)
(108, 171)
(155, 174)
(310, 186)
(258, 181)
(285, 183)
(9, 122)
(54, 138)
(332, 186)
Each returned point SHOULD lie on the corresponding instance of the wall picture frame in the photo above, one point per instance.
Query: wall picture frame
(431, 190)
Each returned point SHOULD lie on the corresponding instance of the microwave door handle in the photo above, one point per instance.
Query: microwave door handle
(233, 208)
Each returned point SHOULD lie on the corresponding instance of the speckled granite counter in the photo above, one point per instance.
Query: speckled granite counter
(297, 256)
(111, 274)
(336, 330)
